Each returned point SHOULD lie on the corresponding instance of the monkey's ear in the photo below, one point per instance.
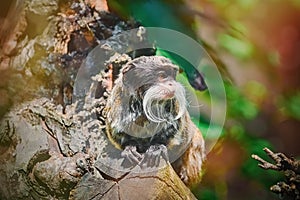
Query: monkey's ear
(127, 67)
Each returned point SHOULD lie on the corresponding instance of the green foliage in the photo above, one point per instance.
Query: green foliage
(246, 3)
(239, 27)
(238, 105)
(154, 13)
(255, 91)
(240, 110)
(250, 168)
(291, 105)
(237, 131)
(206, 194)
(237, 47)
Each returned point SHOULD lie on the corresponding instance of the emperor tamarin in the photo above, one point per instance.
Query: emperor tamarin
(146, 113)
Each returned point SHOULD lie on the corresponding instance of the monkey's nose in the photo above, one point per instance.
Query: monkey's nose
(170, 86)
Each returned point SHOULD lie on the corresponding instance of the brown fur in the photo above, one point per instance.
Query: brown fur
(187, 135)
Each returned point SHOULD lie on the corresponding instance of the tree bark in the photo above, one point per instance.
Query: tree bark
(48, 149)
(38, 162)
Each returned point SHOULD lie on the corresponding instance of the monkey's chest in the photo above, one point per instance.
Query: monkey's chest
(143, 135)
(142, 128)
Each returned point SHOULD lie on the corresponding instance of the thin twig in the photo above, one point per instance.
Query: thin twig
(290, 188)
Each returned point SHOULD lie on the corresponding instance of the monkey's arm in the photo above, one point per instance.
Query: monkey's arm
(189, 165)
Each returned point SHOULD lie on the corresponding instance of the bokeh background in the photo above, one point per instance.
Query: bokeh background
(256, 46)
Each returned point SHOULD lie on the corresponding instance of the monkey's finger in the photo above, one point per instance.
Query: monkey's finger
(153, 154)
(124, 154)
(129, 160)
(142, 163)
(157, 161)
(132, 159)
(136, 154)
(145, 160)
(126, 151)
(164, 153)
(128, 154)
(151, 160)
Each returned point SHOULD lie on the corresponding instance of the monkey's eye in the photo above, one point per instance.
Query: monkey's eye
(162, 75)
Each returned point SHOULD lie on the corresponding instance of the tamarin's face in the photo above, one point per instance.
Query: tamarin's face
(152, 79)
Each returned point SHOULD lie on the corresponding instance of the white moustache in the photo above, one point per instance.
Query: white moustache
(154, 104)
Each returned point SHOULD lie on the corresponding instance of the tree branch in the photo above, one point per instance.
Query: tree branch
(290, 188)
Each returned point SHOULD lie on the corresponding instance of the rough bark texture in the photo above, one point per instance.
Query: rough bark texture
(45, 154)
(290, 188)
(49, 148)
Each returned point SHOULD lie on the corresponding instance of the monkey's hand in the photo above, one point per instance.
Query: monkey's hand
(130, 154)
(153, 154)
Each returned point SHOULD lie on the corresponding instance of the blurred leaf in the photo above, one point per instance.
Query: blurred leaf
(247, 3)
(255, 91)
(274, 58)
(239, 48)
(237, 131)
(291, 105)
(238, 105)
(238, 26)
